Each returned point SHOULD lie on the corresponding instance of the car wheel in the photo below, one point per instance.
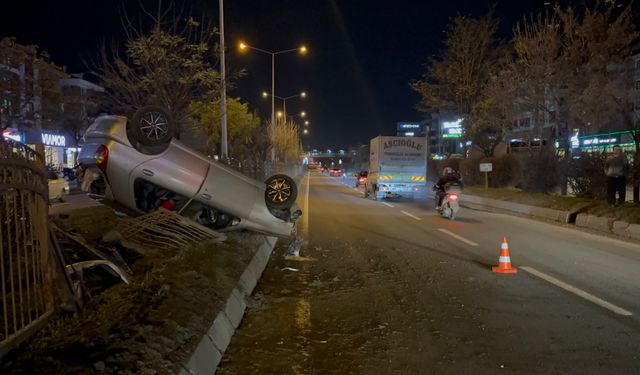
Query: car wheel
(152, 126)
(281, 191)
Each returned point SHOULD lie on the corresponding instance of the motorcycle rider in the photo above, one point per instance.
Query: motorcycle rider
(449, 178)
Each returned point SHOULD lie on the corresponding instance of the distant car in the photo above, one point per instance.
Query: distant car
(361, 178)
(58, 187)
(143, 167)
(336, 172)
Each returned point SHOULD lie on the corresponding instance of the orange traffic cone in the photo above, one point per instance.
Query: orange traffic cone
(504, 262)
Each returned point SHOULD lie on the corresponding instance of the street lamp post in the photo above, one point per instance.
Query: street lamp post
(223, 90)
(302, 49)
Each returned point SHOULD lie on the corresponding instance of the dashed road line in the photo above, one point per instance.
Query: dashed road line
(579, 292)
(410, 215)
(388, 204)
(457, 237)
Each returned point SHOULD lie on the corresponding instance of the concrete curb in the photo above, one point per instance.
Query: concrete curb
(598, 223)
(602, 224)
(208, 354)
(540, 212)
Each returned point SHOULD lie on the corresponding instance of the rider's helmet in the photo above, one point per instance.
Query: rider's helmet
(447, 171)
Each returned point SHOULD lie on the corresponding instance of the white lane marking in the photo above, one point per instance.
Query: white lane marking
(410, 215)
(457, 237)
(578, 292)
(388, 204)
(305, 214)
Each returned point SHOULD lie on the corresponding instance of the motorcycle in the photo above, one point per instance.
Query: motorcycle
(450, 202)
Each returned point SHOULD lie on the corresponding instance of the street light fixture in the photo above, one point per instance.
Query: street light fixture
(302, 50)
(306, 122)
(301, 114)
(302, 94)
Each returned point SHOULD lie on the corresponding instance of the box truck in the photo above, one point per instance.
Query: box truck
(397, 167)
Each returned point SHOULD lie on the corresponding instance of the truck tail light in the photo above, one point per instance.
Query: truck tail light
(102, 157)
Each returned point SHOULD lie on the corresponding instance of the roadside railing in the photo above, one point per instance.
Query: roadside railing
(26, 270)
(263, 170)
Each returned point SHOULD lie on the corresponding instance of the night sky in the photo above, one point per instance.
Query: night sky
(363, 53)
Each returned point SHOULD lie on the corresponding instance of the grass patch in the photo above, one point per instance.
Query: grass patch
(629, 212)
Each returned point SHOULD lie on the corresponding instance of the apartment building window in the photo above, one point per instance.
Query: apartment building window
(637, 85)
(525, 123)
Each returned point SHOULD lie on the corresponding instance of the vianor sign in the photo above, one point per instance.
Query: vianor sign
(54, 140)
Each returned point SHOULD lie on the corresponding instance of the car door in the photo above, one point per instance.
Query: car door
(231, 191)
(177, 169)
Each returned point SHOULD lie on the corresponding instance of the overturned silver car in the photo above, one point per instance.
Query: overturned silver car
(140, 165)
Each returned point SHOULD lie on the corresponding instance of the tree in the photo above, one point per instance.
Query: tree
(80, 109)
(240, 125)
(596, 56)
(534, 71)
(287, 140)
(457, 82)
(599, 71)
(172, 65)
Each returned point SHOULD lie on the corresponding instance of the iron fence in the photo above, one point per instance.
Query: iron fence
(26, 290)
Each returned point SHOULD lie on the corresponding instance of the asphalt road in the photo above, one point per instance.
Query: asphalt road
(392, 288)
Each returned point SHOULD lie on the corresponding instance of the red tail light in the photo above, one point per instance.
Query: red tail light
(102, 157)
(453, 197)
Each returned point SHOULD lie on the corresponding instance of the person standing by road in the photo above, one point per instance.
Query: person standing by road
(616, 168)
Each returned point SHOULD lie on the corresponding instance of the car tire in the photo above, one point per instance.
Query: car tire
(152, 126)
(281, 191)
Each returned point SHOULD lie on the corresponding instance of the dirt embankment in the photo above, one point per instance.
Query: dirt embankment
(150, 326)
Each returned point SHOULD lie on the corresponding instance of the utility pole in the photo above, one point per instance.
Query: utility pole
(223, 88)
(273, 107)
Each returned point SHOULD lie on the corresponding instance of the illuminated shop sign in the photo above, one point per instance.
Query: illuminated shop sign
(12, 135)
(408, 126)
(57, 140)
(598, 141)
(575, 142)
(452, 129)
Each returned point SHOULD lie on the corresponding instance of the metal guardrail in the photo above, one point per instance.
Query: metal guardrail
(26, 270)
(263, 170)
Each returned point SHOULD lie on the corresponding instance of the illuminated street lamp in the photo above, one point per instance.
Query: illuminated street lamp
(301, 114)
(302, 50)
(305, 131)
(284, 99)
(306, 122)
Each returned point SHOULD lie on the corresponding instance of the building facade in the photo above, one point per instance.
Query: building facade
(41, 103)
